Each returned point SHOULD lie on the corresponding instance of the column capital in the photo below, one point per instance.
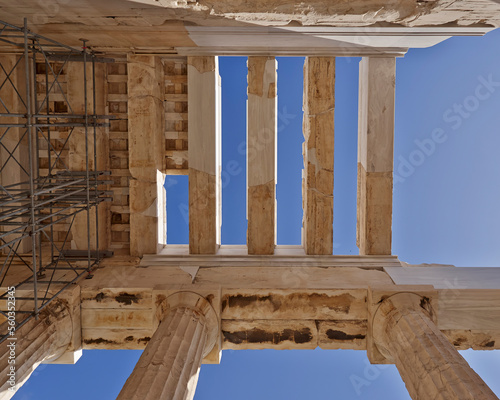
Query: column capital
(71, 300)
(404, 331)
(383, 305)
(200, 305)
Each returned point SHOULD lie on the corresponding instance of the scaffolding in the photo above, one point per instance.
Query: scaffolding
(36, 198)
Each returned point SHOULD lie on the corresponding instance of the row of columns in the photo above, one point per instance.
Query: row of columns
(402, 329)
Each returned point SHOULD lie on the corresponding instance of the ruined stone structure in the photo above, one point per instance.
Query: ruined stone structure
(151, 108)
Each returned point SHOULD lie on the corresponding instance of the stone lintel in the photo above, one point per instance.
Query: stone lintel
(318, 130)
(146, 146)
(261, 154)
(204, 154)
(377, 84)
(119, 303)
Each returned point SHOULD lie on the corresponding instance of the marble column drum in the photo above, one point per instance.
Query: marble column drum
(428, 363)
(169, 367)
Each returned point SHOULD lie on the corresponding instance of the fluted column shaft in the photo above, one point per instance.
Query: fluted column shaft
(169, 367)
(35, 342)
(429, 364)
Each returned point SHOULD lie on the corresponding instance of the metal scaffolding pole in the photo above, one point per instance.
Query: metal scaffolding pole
(49, 195)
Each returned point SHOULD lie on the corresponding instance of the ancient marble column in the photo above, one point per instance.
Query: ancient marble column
(37, 341)
(169, 367)
(429, 364)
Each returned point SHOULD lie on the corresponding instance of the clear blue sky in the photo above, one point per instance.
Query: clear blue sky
(446, 200)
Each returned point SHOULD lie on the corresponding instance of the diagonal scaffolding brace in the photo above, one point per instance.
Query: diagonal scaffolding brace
(35, 200)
